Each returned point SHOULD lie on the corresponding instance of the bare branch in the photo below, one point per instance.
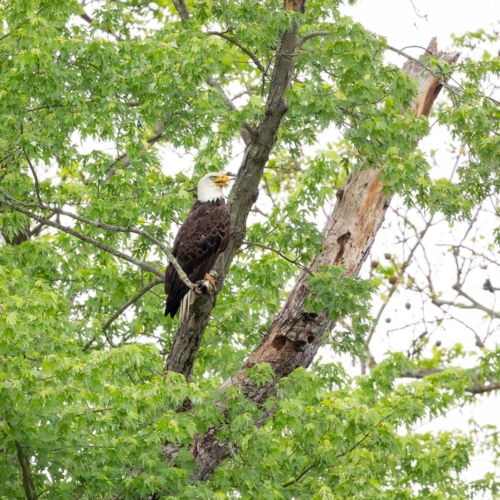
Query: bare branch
(135, 298)
(420, 235)
(258, 210)
(461, 276)
(475, 303)
(281, 254)
(417, 12)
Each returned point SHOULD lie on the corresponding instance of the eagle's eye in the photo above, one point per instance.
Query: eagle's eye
(213, 177)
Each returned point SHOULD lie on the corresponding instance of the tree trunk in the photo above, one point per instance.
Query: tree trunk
(243, 195)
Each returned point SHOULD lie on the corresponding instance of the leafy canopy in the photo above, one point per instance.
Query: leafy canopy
(84, 404)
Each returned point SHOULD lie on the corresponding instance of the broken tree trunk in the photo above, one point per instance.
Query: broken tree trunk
(295, 336)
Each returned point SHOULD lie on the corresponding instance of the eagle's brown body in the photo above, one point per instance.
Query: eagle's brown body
(200, 240)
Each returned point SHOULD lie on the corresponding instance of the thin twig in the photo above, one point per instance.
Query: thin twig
(281, 254)
(157, 134)
(257, 210)
(417, 12)
(304, 39)
(355, 445)
(302, 474)
(89, 20)
(420, 235)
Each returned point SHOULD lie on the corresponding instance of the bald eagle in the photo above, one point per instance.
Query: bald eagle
(200, 240)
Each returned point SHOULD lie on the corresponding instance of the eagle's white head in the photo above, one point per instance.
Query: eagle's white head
(210, 186)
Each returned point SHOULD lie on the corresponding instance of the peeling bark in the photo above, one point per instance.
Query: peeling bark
(295, 335)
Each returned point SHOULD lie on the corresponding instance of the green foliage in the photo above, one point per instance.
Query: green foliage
(344, 440)
(89, 406)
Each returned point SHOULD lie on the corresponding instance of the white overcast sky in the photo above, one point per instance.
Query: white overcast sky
(415, 22)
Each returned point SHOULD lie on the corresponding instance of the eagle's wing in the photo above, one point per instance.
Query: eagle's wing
(204, 234)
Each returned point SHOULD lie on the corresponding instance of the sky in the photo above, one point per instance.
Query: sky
(415, 22)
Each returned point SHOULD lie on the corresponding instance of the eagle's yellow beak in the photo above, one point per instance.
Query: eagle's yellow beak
(222, 181)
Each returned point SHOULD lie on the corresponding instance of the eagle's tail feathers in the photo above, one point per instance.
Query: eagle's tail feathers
(187, 300)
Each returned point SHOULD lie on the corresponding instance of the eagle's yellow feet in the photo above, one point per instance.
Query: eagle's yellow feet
(212, 281)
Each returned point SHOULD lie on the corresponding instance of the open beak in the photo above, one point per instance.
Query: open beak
(222, 181)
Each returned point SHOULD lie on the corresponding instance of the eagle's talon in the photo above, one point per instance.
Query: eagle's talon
(205, 286)
(212, 281)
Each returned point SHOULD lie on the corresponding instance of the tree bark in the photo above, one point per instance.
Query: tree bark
(295, 335)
